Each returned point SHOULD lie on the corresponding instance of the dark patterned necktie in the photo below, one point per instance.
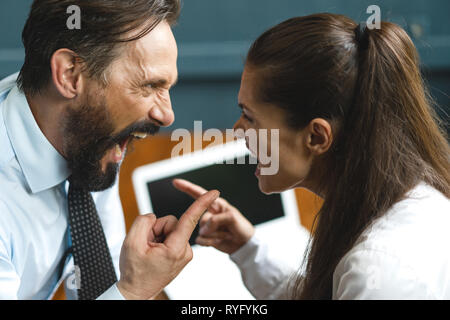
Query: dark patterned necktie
(89, 248)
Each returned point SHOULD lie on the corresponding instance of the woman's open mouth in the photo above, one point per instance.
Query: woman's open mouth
(257, 171)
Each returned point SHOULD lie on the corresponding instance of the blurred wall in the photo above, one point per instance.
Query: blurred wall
(214, 35)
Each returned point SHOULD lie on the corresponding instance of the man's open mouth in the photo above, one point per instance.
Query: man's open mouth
(120, 147)
(139, 135)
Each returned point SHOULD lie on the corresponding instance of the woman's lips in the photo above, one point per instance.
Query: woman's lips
(257, 171)
(258, 167)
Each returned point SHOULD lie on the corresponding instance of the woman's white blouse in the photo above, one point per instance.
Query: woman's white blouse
(405, 254)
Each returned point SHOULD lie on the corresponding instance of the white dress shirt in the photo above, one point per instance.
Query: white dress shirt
(33, 207)
(405, 254)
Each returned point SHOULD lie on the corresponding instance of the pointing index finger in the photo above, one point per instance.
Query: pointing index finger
(191, 189)
(195, 191)
(188, 221)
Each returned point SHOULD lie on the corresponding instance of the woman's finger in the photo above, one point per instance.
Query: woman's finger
(205, 218)
(207, 242)
(189, 188)
(195, 191)
(221, 235)
(215, 223)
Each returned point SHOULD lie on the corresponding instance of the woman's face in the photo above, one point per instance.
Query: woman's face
(293, 155)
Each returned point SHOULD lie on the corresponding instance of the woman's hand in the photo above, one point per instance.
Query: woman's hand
(222, 226)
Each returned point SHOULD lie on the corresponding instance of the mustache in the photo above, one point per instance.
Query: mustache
(142, 127)
(96, 148)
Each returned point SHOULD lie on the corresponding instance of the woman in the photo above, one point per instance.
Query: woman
(357, 128)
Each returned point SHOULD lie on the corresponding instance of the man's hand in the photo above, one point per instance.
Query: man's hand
(223, 226)
(156, 250)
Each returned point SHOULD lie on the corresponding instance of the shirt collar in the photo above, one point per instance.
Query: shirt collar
(41, 163)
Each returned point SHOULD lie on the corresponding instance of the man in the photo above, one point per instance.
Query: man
(81, 96)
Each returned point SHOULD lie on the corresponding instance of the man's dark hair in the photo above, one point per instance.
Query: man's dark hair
(105, 25)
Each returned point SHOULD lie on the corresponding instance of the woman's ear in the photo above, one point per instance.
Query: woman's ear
(319, 136)
(66, 73)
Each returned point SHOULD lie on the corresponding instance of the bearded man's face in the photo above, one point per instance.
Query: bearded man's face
(101, 123)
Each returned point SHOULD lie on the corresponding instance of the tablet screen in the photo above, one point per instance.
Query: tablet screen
(237, 184)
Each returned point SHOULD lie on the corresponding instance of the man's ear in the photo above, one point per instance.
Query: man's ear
(319, 136)
(66, 73)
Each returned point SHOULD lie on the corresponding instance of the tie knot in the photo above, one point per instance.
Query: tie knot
(74, 185)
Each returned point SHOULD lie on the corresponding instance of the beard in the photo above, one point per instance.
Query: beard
(88, 135)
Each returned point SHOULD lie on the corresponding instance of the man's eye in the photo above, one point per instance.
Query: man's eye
(150, 85)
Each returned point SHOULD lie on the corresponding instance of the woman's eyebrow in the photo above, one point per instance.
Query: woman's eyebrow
(242, 106)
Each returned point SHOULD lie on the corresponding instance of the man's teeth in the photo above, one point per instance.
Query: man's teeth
(139, 135)
(118, 151)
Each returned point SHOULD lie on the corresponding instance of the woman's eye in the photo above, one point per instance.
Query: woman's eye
(246, 117)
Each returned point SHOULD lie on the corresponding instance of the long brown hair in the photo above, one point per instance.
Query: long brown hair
(387, 136)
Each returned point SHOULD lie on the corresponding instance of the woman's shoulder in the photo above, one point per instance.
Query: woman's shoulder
(407, 247)
(422, 216)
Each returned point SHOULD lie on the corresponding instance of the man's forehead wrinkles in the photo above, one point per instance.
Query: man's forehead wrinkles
(157, 74)
(136, 58)
(143, 70)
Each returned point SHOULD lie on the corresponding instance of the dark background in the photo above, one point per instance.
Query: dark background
(214, 35)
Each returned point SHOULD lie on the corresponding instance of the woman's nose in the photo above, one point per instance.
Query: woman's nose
(238, 125)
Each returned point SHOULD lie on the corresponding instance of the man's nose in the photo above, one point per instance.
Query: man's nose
(163, 113)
